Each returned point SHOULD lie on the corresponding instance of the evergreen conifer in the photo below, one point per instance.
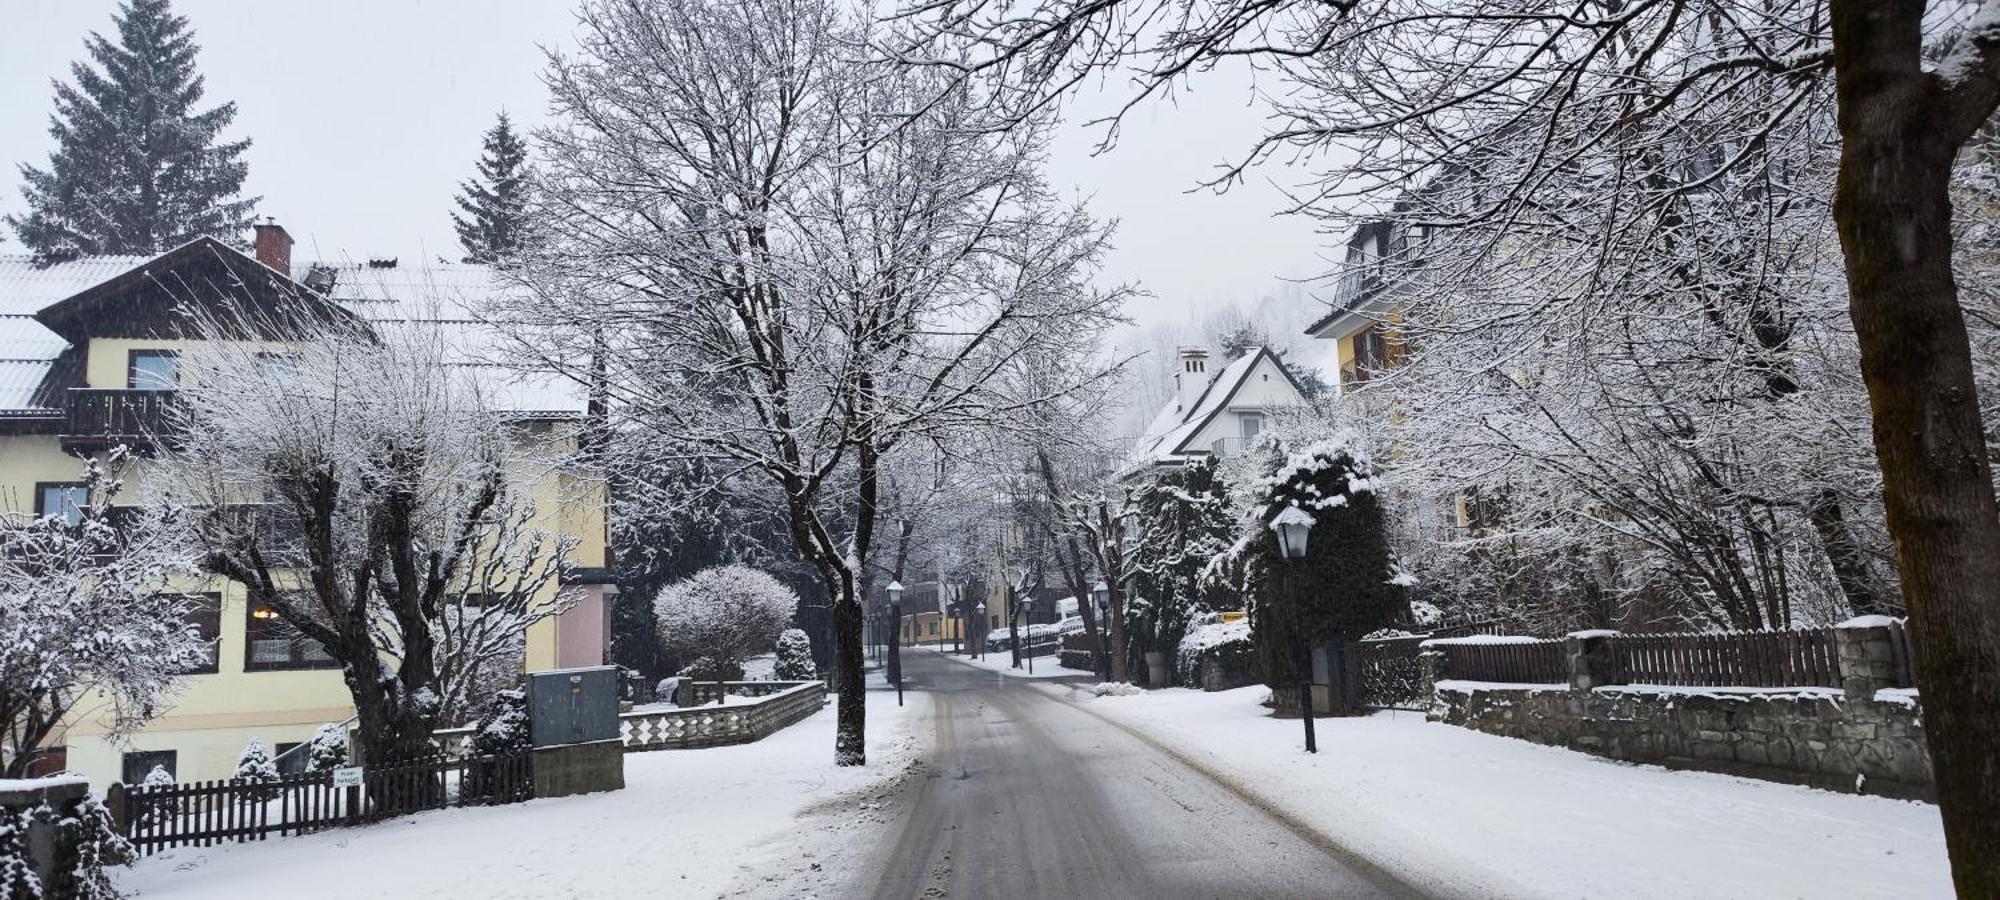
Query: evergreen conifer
(136, 169)
(493, 226)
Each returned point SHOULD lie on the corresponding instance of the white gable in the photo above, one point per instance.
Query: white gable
(1252, 385)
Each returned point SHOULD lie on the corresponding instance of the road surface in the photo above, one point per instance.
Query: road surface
(1026, 795)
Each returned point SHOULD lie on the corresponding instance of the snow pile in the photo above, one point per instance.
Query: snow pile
(1002, 662)
(1459, 813)
(1869, 622)
(1115, 689)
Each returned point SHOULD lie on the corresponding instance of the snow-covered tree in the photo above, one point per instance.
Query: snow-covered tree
(368, 463)
(503, 728)
(91, 843)
(87, 606)
(795, 659)
(725, 614)
(494, 205)
(1347, 585)
(328, 748)
(256, 770)
(1184, 520)
(136, 168)
(795, 260)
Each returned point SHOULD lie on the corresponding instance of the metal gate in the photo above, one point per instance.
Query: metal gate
(1388, 673)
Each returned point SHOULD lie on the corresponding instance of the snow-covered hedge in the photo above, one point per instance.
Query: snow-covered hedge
(1226, 644)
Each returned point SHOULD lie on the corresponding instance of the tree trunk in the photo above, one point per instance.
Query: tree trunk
(1900, 131)
(1850, 566)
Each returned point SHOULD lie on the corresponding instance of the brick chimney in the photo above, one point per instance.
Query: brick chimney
(274, 247)
(1191, 377)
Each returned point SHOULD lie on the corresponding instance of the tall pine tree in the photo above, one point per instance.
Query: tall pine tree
(136, 169)
(494, 224)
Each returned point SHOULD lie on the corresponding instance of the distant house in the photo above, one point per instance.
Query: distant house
(1213, 413)
(89, 351)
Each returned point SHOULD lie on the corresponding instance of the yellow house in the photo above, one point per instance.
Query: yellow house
(87, 363)
(1362, 323)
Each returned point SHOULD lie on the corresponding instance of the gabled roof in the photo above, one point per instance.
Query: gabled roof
(1166, 439)
(47, 312)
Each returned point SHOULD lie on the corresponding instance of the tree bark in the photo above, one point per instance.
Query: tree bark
(1900, 129)
(1850, 566)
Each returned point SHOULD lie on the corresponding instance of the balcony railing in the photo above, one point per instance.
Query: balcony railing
(1226, 447)
(99, 418)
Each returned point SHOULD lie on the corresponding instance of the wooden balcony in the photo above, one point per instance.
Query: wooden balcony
(97, 419)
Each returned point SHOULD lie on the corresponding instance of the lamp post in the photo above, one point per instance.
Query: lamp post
(1101, 594)
(979, 635)
(1293, 526)
(896, 638)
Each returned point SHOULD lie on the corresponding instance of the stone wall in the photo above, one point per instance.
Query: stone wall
(1865, 736)
(1808, 736)
(714, 726)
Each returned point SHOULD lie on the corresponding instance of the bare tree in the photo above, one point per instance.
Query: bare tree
(793, 261)
(360, 487)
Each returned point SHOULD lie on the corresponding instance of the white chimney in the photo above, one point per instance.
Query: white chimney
(1191, 376)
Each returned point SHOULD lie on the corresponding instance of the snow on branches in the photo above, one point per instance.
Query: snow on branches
(87, 602)
(726, 614)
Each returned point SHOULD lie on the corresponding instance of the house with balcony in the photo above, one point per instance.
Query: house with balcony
(88, 362)
(1362, 320)
(1215, 412)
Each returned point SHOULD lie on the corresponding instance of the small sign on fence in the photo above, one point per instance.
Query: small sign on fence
(347, 777)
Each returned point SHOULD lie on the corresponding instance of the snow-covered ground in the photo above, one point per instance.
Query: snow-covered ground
(1002, 662)
(689, 823)
(1467, 814)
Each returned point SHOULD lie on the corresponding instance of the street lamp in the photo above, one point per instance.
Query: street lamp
(979, 634)
(1293, 526)
(896, 638)
(1101, 594)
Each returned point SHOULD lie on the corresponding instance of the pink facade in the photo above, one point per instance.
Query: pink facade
(583, 632)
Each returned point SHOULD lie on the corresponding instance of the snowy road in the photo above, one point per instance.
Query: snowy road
(1027, 796)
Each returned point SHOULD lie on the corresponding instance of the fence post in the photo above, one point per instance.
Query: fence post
(1592, 662)
(118, 805)
(1435, 666)
(1867, 655)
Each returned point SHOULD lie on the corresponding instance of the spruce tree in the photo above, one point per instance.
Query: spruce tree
(494, 224)
(136, 169)
(1347, 582)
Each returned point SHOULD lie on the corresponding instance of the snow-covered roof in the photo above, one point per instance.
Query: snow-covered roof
(449, 299)
(1166, 438)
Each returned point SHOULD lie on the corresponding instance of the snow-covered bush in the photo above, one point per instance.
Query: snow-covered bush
(327, 750)
(795, 657)
(256, 770)
(504, 727)
(1115, 689)
(17, 874)
(724, 615)
(88, 844)
(1225, 644)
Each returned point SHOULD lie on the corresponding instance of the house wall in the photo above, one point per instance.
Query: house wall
(214, 715)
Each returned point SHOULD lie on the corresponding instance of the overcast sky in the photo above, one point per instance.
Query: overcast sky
(367, 113)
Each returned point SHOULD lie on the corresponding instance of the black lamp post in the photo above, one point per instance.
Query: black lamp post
(979, 634)
(1293, 526)
(1101, 594)
(896, 638)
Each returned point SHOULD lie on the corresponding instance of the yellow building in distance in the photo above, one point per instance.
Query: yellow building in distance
(87, 363)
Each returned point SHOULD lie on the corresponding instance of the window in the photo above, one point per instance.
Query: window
(1371, 353)
(272, 644)
(291, 758)
(138, 763)
(204, 613)
(63, 499)
(1253, 425)
(154, 370)
(48, 761)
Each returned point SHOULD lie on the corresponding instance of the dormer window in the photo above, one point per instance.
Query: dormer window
(154, 370)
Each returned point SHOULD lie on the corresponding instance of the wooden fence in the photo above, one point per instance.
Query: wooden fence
(1539, 661)
(206, 813)
(1799, 657)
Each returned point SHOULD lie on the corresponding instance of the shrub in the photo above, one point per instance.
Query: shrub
(327, 750)
(256, 771)
(795, 657)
